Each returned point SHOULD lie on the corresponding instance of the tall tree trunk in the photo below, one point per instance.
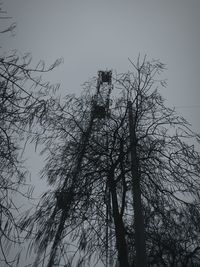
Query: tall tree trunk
(141, 258)
(119, 225)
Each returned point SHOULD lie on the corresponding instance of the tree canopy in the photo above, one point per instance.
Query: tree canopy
(88, 215)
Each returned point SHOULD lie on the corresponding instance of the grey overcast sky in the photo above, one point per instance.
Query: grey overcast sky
(97, 34)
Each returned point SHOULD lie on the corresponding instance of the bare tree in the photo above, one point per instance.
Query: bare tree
(95, 210)
(23, 102)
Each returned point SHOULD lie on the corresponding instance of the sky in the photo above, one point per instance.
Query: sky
(92, 35)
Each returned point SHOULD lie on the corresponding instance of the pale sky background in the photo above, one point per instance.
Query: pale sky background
(97, 34)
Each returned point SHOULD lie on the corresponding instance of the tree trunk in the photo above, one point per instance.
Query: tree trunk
(141, 258)
(119, 225)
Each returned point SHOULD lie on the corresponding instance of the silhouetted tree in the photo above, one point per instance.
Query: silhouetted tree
(91, 204)
(23, 102)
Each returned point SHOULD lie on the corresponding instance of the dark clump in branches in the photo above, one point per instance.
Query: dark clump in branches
(98, 222)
